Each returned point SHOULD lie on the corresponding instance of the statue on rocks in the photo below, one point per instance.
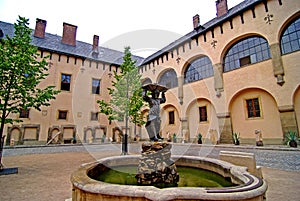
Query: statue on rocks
(153, 121)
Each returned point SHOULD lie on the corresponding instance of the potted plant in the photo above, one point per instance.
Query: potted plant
(291, 138)
(236, 138)
(199, 138)
(174, 138)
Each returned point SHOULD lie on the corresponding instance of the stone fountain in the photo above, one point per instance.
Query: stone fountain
(156, 171)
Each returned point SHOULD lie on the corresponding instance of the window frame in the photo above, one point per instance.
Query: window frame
(200, 114)
(60, 112)
(198, 69)
(96, 89)
(254, 48)
(286, 40)
(62, 87)
(169, 79)
(94, 116)
(248, 112)
(24, 113)
(171, 117)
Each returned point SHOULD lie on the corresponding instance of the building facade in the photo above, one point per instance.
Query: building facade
(238, 72)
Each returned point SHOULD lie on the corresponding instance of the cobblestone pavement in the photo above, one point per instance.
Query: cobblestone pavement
(44, 172)
(279, 157)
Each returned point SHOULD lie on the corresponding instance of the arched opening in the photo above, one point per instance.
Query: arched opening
(245, 52)
(198, 69)
(255, 109)
(168, 79)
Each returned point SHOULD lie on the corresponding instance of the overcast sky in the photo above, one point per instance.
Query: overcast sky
(118, 23)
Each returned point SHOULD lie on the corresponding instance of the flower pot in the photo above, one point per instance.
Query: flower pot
(237, 142)
(293, 143)
(199, 141)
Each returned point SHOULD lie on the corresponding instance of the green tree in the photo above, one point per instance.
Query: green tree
(20, 74)
(126, 93)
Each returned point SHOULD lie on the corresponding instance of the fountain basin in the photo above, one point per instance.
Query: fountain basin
(248, 188)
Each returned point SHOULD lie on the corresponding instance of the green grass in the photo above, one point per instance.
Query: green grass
(188, 177)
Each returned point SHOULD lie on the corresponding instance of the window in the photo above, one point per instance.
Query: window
(198, 69)
(171, 117)
(247, 51)
(203, 114)
(146, 81)
(65, 82)
(94, 116)
(62, 114)
(290, 40)
(24, 113)
(253, 108)
(95, 86)
(169, 79)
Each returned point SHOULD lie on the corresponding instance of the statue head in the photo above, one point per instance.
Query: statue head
(155, 93)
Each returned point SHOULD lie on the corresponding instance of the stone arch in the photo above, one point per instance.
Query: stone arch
(286, 24)
(146, 81)
(117, 134)
(209, 128)
(189, 60)
(267, 118)
(234, 41)
(170, 82)
(296, 103)
(15, 134)
(166, 127)
(88, 134)
(53, 133)
(285, 38)
(198, 68)
(244, 52)
(100, 133)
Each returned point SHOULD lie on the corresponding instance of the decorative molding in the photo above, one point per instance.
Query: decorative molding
(223, 115)
(269, 19)
(286, 108)
(214, 44)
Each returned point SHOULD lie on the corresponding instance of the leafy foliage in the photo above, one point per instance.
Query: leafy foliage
(236, 137)
(20, 75)
(291, 136)
(126, 93)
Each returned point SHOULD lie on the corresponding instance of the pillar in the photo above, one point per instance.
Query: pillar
(218, 78)
(277, 63)
(225, 128)
(180, 89)
(288, 119)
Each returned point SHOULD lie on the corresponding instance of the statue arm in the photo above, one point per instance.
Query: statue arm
(163, 97)
(144, 94)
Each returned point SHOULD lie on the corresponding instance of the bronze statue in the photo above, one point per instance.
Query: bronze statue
(153, 121)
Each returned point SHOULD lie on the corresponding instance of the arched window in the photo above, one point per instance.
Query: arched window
(290, 40)
(146, 81)
(198, 69)
(169, 79)
(247, 51)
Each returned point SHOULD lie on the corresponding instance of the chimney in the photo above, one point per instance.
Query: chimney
(40, 27)
(69, 34)
(196, 21)
(222, 7)
(95, 42)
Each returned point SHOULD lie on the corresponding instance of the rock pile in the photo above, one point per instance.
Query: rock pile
(156, 166)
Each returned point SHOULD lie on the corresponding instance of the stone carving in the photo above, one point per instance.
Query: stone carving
(156, 166)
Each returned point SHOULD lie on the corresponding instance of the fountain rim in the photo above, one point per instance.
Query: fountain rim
(251, 186)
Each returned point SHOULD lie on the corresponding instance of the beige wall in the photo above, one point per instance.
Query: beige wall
(255, 80)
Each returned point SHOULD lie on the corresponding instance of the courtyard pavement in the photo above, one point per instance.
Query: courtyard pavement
(44, 171)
